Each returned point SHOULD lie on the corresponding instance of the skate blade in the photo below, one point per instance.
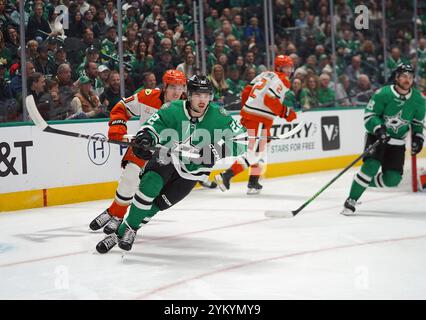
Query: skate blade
(278, 214)
(219, 182)
(253, 191)
(348, 213)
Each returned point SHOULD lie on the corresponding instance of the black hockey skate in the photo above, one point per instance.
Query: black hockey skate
(107, 244)
(100, 220)
(349, 207)
(223, 179)
(126, 241)
(112, 225)
(254, 186)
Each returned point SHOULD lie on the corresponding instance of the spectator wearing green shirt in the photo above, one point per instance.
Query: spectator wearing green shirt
(326, 95)
(220, 88)
(309, 98)
(143, 62)
(237, 27)
(235, 84)
(394, 59)
(213, 22)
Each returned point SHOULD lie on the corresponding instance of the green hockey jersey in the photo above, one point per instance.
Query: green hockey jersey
(173, 127)
(397, 113)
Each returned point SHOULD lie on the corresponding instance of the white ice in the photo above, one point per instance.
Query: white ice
(216, 245)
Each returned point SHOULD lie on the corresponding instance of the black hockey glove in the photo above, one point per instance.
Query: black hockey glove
(143, 145)
(416, 144)
(381, 134)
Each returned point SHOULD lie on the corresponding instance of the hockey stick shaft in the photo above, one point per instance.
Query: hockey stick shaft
(286, 135)
(367, 151)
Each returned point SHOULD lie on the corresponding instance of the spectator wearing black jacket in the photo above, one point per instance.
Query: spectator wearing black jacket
(37, 25)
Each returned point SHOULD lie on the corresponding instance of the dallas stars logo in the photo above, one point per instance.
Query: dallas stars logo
(395, 122)
(186, 148)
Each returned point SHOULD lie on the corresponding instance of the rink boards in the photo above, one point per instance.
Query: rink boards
(42, 169)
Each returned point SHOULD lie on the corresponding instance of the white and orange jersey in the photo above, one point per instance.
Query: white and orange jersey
(263, 98)
(142, 104)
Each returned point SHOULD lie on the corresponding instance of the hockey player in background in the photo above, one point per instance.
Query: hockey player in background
(262, 101)
(196, 133)
(142, 104)
(388, 117)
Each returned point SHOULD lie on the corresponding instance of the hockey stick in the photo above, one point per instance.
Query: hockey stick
(290, 214)
(44, 126)
(293, 131)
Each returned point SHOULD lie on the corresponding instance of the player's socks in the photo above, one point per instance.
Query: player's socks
(118, 210)
(363, 178)
(237, 168)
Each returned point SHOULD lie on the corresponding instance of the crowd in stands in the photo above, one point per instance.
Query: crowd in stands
(72, 70)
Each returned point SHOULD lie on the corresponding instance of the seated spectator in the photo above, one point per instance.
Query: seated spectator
(109, 44)
(38, 28)
(149, 81)
(43, 63)
(220, 88)
(143, 62)
(13, 43)
(91, 71)
(58, 111)
(309, 96)
(353, 71)
(85, 103)
(253, 30)
(363, 91)
(76, 26)
(55, 25)
(4, 51)
(342, 89)
(164, 64)
(16, 81)
(9, 110)
(66, 86)
(188, 66)
(37, 88)
(326, 95)
(249, 74)
(111, 94)
(103, 73)
(292, 97)
(235, 84)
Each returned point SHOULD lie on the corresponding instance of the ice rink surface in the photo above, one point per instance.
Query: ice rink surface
(216, 245)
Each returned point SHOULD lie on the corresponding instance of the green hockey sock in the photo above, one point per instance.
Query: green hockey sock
(363, 178)
(142, 208)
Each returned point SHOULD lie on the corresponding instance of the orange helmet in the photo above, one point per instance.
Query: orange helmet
(174, 77)
(282, 61)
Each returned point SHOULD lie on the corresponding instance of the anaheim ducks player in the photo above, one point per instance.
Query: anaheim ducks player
(262, 100)
(143, 104)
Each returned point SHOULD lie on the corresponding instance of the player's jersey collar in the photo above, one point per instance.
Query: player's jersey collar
(407, 96)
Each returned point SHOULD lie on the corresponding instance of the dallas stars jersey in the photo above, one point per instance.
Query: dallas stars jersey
(174, 128)
(397, 113)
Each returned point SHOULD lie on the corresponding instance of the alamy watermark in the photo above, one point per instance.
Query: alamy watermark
(361, 21)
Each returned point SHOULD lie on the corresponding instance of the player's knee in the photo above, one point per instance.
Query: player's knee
(392, 178)
(151, 184)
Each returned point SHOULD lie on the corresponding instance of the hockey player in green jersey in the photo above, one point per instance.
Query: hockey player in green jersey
(189, 136)
(388, 117)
